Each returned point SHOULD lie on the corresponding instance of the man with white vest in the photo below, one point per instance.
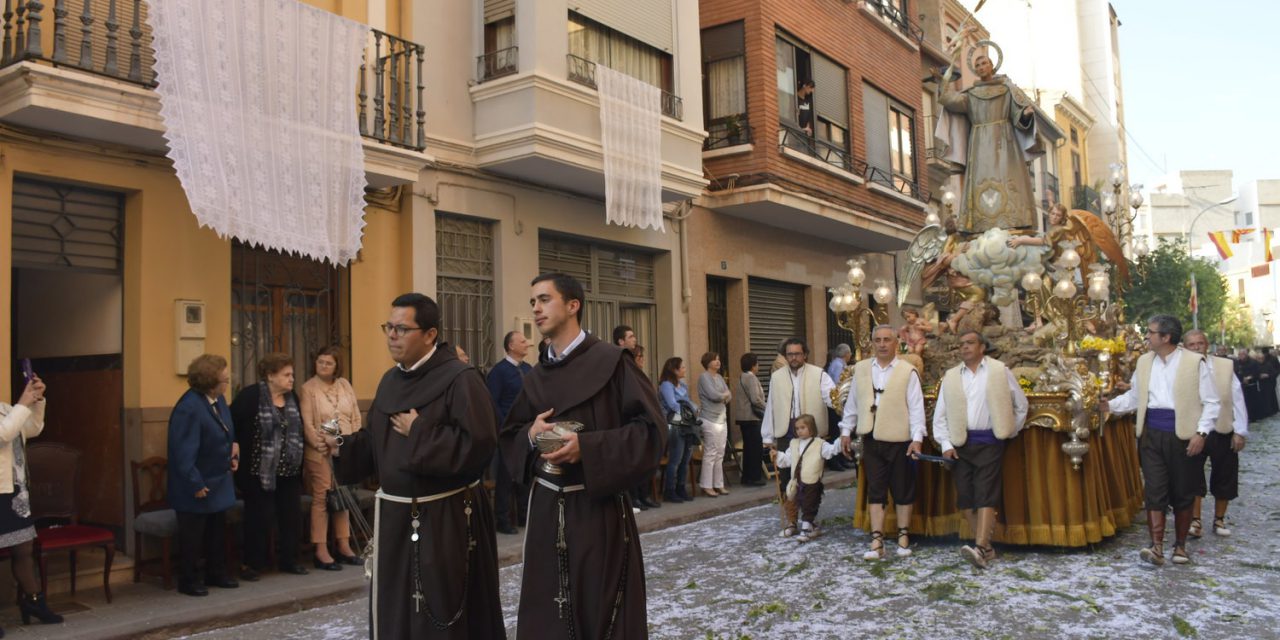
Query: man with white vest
(794, 390)
(980, 406)
(1223, 446)
(1173, 392)
(886, 408)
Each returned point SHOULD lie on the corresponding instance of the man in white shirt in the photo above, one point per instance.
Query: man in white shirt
(795, 390)
(980, 407)
(1224, 444)
(887, 404)
(1177, 406)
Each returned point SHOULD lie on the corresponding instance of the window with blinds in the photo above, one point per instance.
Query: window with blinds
(724, 70)
(648, 21)
(796, 63)
(776, 311)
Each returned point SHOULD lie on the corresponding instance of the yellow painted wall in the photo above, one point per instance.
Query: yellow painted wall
(167, 257)
(377, 277)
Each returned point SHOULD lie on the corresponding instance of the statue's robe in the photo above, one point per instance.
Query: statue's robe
(623, 439)
(994, 148)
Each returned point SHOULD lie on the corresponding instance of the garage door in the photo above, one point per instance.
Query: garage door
(776, 312)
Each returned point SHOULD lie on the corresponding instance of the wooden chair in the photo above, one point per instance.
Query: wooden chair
(152, 516)
(55, 470)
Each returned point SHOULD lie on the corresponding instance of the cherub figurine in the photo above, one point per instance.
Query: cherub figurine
(913, 332)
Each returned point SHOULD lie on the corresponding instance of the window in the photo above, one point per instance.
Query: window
(1075, 169)
(1075, 136)
(829, 102)
(596, 43)
(724, 74)
(901, 139)
(499, 57)
(464, 286)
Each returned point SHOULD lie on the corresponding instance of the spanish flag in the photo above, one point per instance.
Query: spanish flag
(1267, 237)
(1221, 243)
(1238, 234)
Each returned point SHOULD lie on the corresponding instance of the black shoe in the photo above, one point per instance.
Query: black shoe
(295, 569)
(672, 497)
(36, 605)
(222, 583)
(249, 574)
(639, 505)
(684, 495)
(351, 560)
(646, 501)
(188, 589)
(507, 529)
(324, 566)
(755, 483)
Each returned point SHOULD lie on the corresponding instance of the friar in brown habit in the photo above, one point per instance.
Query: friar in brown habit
(430, 434)
(583, 573)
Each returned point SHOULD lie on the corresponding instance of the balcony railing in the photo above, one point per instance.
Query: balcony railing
(727, 132)
(906, 187)
(92, 44)
(503, 62)
(583, 72)
(896, 13)
(1051, 193)
(792, 138)
(1084, 197)
(111, 38)
(395, 73)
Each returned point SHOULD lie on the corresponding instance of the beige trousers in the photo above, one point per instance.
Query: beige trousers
(319, 477)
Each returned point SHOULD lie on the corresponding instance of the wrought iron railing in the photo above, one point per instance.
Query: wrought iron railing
(393, 66)
(727, 132)
(1051, 193)
(583, 72)
(909, 188)
(92, 44)
(796, 139)
(1087, 198)
(897, 15)
(111, 38)
(495, 64)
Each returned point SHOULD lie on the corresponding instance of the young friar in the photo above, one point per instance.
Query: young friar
(583, 571)
(807, 455)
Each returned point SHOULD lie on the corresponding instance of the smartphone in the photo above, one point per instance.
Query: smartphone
(27, 373)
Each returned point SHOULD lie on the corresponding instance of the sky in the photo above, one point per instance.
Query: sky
(1201, 85)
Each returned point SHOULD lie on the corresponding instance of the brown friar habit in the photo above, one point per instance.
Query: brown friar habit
(620, 445)
(447, 449)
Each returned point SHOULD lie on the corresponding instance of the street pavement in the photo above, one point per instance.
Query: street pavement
(732, 577)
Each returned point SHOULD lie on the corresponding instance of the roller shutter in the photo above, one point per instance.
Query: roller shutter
(776, 311)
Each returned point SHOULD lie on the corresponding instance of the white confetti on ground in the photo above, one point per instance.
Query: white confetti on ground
(731, 577)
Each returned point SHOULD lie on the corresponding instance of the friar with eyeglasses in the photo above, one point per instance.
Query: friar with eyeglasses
(430, 435)
(586, 428)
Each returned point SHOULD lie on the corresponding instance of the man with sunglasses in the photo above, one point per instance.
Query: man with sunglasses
(430, 434)
(1173, 392)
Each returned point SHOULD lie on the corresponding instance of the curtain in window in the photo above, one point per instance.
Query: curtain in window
(618, 52)
(259, 109)
(785, 59)
(726, 88)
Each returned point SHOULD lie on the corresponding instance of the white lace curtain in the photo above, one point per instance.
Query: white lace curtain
(631, 138)
(258, 100)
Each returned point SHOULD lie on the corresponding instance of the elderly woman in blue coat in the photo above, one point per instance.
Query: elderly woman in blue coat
(202, 455)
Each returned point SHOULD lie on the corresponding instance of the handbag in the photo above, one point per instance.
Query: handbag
(333, 501)
(686, 424)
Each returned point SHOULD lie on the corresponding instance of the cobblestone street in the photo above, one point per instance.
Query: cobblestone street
(732, 577)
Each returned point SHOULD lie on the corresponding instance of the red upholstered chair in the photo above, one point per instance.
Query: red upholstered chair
(54, 470)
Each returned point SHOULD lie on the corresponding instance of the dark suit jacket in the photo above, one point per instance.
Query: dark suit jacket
(200, 455)
(504, 382)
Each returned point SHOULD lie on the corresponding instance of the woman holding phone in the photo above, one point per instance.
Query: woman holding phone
(18, 423)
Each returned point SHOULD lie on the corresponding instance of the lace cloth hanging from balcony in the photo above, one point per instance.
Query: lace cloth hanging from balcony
(259, 106)
(631, 138)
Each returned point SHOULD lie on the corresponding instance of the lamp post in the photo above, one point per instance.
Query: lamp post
(854, 316)
(1186, 231)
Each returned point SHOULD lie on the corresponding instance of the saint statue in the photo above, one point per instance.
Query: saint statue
(990, 129)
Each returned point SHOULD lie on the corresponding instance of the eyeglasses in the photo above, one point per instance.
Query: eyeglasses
(794, 354)
(398, 330)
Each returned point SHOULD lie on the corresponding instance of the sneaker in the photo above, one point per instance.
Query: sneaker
(1153, 554)
(1196, 529)
(1220, 527)
(788, 532)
